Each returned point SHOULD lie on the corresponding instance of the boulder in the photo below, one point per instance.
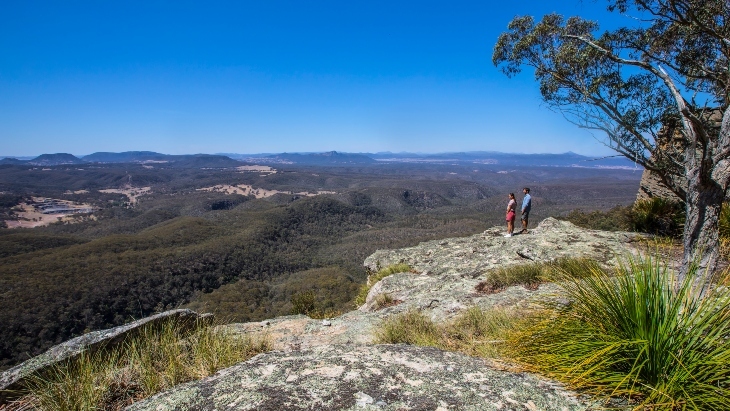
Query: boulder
(12, 380)
(364, 377)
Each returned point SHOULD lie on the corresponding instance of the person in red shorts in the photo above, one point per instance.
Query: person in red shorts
(511, 215)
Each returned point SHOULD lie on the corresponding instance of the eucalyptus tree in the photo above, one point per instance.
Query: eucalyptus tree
(670, 69)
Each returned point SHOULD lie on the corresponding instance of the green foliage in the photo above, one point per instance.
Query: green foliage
(362, 293)
(16, 243)
(304, 302)
(106, 281)
(654, 216)
(156, 359)
(658, 216)
(615, 219)
(638, 333)
(474, 332)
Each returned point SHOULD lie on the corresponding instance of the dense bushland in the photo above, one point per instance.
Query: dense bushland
(109, 280)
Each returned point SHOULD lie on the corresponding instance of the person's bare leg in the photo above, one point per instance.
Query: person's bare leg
(524, 226)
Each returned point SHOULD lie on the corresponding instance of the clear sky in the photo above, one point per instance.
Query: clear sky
(272, 76)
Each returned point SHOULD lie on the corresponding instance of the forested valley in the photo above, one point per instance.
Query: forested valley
(238, 256)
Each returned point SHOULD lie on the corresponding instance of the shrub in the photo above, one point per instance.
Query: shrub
(304, 302)
(156, 359)
(362, 293)
(615, 219)
(638, 333)
(655, 216)
(658, 216)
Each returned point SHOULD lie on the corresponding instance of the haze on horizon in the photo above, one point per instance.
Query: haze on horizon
(271, 77)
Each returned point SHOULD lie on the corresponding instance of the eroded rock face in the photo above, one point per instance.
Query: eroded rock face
(361, 377)
(14, 378)
(450, 269)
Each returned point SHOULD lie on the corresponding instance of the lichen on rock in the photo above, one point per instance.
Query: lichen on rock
(365, 377)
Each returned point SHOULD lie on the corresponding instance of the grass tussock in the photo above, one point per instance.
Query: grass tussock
(474, 332)
(385, 300)
(362, 293)
(532, 275)
(157, 359)
(638, 334)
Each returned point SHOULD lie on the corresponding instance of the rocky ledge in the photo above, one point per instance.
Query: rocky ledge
(447, 272)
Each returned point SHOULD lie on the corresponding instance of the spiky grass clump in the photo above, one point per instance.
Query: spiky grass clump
(474, 332)
(362, 293)
(156, 359)
(639, 334)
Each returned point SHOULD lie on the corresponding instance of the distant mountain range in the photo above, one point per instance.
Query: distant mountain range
(331, 158)
(568, 159)
(187, 160)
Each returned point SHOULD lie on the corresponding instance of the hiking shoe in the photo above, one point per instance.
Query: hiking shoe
(508, 235)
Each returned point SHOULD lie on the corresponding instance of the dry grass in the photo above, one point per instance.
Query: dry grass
(385, 300)
(474, 332)
(531, 275)
(157, 359)
(362, 294)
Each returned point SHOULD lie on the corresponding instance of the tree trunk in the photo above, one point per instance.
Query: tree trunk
(701, 231)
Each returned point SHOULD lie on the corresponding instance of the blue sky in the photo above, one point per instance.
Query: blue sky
(271, 76)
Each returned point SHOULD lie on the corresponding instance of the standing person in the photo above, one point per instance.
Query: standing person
(526, 206)
(511, 214)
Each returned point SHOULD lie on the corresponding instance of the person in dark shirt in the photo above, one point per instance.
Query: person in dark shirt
(526, 206)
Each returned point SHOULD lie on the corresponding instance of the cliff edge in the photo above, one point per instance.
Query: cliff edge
(333, 364)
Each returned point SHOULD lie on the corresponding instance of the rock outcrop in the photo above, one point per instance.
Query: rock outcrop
(360, 377)
(448, 272)
(671, 140)
(13, 379)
